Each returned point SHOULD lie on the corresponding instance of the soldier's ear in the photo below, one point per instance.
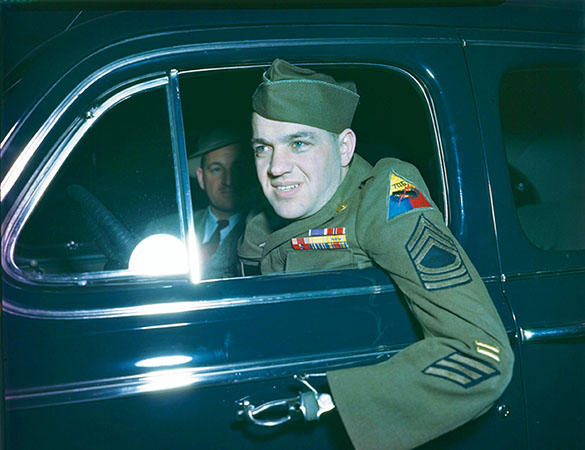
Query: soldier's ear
(199, 172)
(347, 141)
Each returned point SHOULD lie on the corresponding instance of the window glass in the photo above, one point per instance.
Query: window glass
(392, 120)
(118, 178)
(543, 124)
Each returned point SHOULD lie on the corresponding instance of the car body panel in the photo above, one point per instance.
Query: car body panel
(544, 287)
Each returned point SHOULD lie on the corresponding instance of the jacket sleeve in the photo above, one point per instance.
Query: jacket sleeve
(464, 362)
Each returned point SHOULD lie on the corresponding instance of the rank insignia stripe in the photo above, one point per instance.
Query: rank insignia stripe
(461, 369)
(435, 257)
(487, 353)
(403, 196)
(485, 346)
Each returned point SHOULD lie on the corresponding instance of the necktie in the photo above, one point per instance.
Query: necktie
(210, 247)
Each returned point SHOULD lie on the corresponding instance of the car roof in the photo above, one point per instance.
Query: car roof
(41, 45)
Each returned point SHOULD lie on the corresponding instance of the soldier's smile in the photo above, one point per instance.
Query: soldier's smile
(286, 190)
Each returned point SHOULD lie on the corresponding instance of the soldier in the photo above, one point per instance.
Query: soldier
(323, 196)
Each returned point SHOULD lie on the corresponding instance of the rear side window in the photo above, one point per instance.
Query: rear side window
(543, 124)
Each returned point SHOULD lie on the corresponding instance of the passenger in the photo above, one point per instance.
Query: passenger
(334, 210)
(220, 168)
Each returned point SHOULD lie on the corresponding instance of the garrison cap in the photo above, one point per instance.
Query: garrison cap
(294, 94)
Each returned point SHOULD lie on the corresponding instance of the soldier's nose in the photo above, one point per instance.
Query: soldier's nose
(279, 163)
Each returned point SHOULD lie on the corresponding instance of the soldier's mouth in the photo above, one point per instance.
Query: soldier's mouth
(287, 188)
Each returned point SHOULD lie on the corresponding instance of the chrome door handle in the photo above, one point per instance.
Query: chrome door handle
(307, 406)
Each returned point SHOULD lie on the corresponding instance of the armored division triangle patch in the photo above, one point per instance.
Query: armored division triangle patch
(404, 196)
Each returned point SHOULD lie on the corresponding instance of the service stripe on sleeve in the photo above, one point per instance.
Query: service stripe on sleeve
(461, 369)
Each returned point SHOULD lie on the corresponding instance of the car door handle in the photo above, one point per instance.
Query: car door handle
(307, 406)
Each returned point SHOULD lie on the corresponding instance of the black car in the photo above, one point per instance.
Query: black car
(98, 111)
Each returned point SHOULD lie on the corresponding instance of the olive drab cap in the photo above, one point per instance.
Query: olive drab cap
(293, 94)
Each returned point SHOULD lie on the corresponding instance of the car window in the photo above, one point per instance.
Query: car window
(118, 185)
(393, 120)
(542, 113)
(117, 179)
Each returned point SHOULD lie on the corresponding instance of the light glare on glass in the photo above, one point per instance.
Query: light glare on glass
(159, 254)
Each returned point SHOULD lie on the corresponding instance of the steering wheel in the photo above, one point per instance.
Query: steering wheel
(111, 236)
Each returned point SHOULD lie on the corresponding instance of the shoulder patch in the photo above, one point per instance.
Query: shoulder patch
(461, 370)
(435, 257)
(403, 196)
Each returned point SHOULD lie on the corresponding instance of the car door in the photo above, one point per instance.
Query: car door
(97, 356)
(530, 102)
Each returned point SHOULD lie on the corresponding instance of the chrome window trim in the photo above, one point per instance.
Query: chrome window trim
(552, 334)
(521, 44)
(163, 308)
(26, 154)
(186, 378)
(38, 184)
(189, 306)
(182, 179)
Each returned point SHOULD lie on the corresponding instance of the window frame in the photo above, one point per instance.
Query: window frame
(66, 143)
(46, 172)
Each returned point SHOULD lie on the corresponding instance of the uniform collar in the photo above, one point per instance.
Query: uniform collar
(359, 171)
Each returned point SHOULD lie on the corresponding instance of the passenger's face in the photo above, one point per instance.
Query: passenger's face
(221, 179)
(299, 167)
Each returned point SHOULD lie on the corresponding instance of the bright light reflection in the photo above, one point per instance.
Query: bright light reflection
(164, 380)
(164, 308)
(170, 325)
(430, 73)
(161, 361)
(159, 254)
(527, 334)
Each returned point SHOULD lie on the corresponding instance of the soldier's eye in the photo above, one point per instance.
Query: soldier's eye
(299, 145)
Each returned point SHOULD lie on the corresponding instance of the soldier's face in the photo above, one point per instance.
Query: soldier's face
(299, 167)
(220, 178)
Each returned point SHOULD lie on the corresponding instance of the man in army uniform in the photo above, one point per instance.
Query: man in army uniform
(323, 196)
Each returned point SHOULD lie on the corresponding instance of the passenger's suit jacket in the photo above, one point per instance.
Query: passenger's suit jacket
(224, 262)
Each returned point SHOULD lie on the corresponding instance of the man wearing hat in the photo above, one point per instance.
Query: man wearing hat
(330, 209)
(219, 166)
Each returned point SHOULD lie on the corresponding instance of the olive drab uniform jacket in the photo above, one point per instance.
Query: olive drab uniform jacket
(385, 216)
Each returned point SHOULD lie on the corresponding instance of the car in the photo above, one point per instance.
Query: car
(97, 117)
